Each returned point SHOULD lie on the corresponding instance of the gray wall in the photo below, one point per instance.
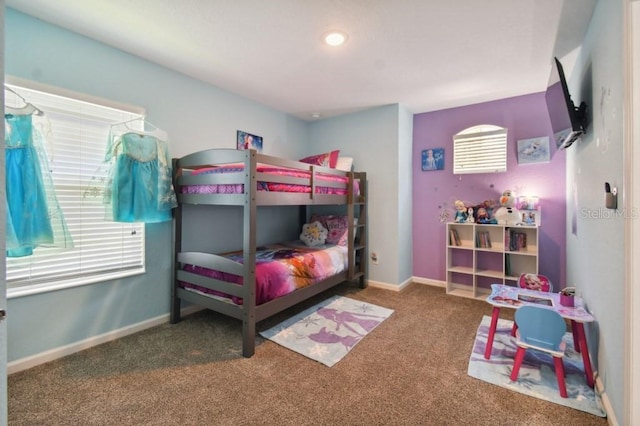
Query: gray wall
(595, 235)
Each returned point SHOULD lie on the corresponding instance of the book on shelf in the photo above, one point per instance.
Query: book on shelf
(483, 239)
(515, 240)
(454, 238)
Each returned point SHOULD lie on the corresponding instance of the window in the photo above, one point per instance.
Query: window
(102, 250)
(480, 149)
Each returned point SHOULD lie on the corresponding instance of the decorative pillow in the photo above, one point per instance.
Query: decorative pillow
(337, 226)
(338, 230)
(313, 234)
(328, 159)
(345, 163)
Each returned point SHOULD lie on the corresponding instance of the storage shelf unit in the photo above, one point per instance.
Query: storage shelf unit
(479, 255)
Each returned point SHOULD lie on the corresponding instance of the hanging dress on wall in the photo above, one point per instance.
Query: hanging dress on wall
(139, 187)
(34, 216)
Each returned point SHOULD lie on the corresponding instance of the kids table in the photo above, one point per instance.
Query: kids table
(504, 296)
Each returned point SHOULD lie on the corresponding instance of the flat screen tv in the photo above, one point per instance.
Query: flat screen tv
(567, 122)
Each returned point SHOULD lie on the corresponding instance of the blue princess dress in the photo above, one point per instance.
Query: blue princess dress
(139, 187)
(34, 216)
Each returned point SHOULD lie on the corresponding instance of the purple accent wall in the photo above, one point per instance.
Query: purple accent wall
(434, 192)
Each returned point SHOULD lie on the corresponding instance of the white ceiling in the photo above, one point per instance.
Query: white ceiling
(424, 54)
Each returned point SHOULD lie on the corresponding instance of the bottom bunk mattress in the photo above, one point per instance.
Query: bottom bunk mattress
(280, 269)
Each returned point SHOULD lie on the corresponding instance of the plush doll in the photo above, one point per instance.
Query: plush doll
(483, 216)
(461, 212)
(507, 214)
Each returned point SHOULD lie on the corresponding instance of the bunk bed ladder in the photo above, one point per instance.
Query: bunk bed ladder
(357, 209)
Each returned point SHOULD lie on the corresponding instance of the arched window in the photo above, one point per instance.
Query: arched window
(480, 149)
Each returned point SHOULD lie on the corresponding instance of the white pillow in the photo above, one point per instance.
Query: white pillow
(344, 163)
(314, 234)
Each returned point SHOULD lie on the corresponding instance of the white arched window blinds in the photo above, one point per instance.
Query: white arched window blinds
(480, 149)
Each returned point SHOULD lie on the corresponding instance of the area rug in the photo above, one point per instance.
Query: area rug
(537, 376)
(327, 331)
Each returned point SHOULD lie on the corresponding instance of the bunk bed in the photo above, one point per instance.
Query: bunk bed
(249, 180)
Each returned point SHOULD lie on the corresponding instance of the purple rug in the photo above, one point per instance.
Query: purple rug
(327, 331)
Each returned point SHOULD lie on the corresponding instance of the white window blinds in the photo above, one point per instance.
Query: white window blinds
(480, 149)
(76, 148)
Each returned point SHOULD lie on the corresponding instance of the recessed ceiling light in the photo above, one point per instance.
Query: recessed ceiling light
(315, 115)
(335, 38)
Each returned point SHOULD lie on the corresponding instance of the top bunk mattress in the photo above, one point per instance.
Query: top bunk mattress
(324, 184)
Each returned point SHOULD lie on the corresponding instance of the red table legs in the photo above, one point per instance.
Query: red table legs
(492, 332)
(576, 341)
(582, 341)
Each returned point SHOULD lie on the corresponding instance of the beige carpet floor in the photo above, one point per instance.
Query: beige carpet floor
(411, 370)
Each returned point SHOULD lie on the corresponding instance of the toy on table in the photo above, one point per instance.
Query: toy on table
(461, 212)
(507, 214)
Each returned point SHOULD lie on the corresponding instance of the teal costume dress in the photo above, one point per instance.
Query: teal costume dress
(34, 216)
(139, 187)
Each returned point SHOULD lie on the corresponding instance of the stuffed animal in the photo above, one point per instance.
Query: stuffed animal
(507, 214)
(483, 216)
(470, 218)
(461, 212)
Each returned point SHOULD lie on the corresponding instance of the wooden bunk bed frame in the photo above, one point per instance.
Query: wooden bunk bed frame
(249, 201)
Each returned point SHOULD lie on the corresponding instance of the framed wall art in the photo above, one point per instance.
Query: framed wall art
(534, 150)
(248, 141)
(433, 159)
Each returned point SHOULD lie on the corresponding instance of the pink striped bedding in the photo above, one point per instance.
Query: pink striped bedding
(268, 186)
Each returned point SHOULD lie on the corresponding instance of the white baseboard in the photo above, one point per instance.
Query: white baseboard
(62, 351)
(387, 286)
(606, 403)
(417, 280)
(429, 281)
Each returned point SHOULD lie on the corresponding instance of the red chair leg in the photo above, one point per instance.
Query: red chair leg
(517, 362)
(562, 387)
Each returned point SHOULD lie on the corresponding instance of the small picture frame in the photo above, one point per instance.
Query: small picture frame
(535, 150)
(530, 217)
(433, 159)
(530, 211)
(248, 141)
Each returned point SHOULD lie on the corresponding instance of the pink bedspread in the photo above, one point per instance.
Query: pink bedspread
(280, 269)
(268, 186)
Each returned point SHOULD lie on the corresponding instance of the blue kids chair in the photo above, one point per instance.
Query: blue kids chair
(540, 329)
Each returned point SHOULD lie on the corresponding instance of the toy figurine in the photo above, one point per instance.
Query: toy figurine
(470, 215)
(461, 212)
(483, 216)
(507, 214)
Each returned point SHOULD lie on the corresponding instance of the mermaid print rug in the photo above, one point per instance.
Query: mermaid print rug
(327, 331)
(537, 376)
